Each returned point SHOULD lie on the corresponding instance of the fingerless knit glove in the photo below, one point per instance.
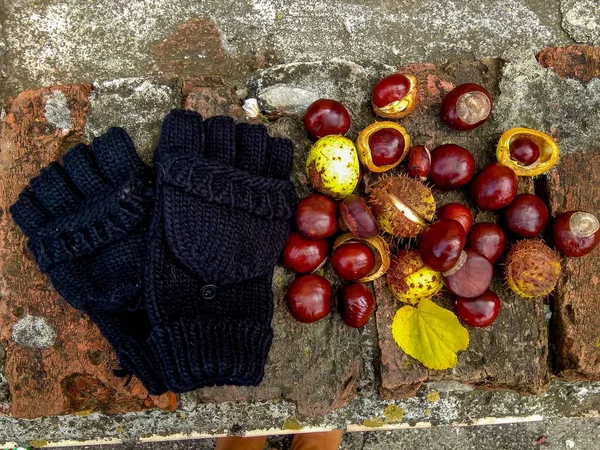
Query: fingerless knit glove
(223, 209)
(87, 223)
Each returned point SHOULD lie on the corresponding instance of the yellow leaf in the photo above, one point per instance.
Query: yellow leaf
(430, 334)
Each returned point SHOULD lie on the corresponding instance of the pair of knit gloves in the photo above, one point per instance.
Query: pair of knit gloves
(174, 265)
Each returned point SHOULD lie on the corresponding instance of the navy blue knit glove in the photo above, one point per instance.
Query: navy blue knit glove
(223, 209)
(87, 223)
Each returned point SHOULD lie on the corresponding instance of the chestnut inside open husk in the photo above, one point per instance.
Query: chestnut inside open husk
(547, 148)
(395, 96)
(380, 250)
(402, 206)
(382, 146)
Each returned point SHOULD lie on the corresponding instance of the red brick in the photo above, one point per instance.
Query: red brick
(580, 62)
(575, 184)
(76, 372)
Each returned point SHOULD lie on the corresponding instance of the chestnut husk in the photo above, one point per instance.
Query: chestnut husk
(380, 249)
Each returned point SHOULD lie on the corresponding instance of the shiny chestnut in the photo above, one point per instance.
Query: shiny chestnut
(471, 276)
(478, 312)
(316, 217)
(357, 217)
(466, 106)
(458, 212)
(452, 166)
(382, 146)
(495, 187)
(302, 255)
(309, 298)
(324, 117)
(352, 261)
(441, 244)
(395, 96)
(356, 304)
(526, 216)
(488, 240)
(524, 150)
(419, 162)
(575, 233)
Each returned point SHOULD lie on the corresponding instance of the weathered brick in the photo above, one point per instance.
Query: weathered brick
(580, 62)
(512, 352)
(71, 369)
(575, 184)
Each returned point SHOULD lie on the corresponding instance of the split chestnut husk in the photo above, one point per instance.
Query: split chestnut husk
(410, 279)
(402, 206)
(395, 96)
(380, 250)
(547, 150)
(382, 146)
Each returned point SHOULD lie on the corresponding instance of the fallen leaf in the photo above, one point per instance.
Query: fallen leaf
(430, 334)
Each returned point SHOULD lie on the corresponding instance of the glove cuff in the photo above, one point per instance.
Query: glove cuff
(196, 353)
(133, 354)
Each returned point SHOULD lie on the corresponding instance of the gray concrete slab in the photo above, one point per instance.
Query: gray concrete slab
(63, 41)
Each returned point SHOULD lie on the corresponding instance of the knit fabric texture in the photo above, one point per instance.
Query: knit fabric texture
(222, 213)
(87, 222)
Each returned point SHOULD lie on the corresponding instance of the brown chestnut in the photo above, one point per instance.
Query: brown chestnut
(358, 218)
(524, 150)
(309, 298)
(458, 212)
(575, 233)
(316, 217)
(395, 96)
(324, 117)
(382, 146)
(526, 216)
(302, 255)
(471, 276)
(488, 240)
(478, 312)
(466, 106)
(356, 305)
(441, 244)
(353, 261)
(495, 187)
(452, 166)
(419, 162)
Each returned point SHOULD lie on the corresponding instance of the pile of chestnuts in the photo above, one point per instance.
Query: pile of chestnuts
(356, 233)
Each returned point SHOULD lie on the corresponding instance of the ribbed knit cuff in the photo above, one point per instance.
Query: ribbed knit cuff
(196, 353)
(134, 356)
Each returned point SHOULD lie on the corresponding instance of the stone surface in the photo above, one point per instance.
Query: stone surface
(74, 373)
(429, 408)
(576, 302)
(212, 96)
(33, 332)
(581, 62)
(553, 434)
(64, 41)
(581, 20)
(512, 352)
(532, 96)
(136, 104)
(316, 366)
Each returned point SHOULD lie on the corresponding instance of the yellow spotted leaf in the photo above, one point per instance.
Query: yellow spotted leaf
(430, 334)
